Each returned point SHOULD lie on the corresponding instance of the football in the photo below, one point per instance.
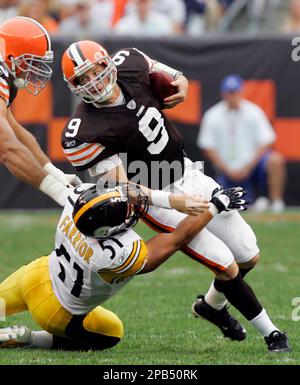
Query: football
(160, 85)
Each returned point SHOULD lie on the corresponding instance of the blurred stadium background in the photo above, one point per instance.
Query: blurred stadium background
(206, 40)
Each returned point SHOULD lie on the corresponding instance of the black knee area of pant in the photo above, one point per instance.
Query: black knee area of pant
(81, 339)
(240, 295)
(245, 271)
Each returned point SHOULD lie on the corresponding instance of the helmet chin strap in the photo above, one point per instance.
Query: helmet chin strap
(18, 82)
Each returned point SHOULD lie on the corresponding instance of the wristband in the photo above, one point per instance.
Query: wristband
(160, 199)
(54, 189)
(159, 67)
(212, 209)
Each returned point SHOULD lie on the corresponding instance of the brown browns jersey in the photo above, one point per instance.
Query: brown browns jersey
(8, 91)
(137, 128)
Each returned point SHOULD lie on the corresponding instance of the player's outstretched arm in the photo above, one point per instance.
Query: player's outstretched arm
(162, 246)
(23, 165)
(30, 142)
(188, 204)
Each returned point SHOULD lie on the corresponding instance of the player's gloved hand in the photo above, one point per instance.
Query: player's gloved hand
(230, 199)
(60, 176)
(73, 179)
(55, 190)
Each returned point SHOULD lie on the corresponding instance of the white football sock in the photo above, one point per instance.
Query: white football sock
(41, 339)
(263, 324)
(215, 298)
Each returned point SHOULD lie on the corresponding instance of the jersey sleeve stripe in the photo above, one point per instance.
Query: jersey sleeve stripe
(86, 159)
(133, 260)
(4, 90)
(4, 82)
(139, 262)
(84, 153)
(5, 97)
(80, 149)
(4, 87)
(4, 93)
(128, 260)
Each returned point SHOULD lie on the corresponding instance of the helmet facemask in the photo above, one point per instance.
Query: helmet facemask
(34, 69)
(89, 92)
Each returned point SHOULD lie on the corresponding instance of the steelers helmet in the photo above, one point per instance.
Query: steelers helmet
(101, 213)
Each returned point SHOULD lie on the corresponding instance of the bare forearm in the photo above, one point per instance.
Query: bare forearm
(27, 139)
(20, 162)
(189, 227)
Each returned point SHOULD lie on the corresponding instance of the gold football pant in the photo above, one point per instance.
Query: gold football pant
(30, 288)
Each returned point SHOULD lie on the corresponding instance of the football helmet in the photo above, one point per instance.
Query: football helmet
(100, 212)
(26, 50)
(81, 57)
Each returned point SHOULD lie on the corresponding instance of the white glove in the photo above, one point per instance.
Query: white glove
(65, 179)
(55, 190)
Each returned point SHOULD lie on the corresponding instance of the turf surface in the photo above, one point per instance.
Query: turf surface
(155, 308)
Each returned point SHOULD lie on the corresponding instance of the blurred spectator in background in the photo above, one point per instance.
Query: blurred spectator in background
(143, 21)
(201, 16)
(66, 8)
(173, 9)
(8, 9)
(195, 17)
(83, 24)
(292, 24)
(225, 4)
(108, 12)
(236, 137)
(39, 11)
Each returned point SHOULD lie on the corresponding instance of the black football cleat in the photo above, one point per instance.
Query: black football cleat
(228, 325)
(278, 342)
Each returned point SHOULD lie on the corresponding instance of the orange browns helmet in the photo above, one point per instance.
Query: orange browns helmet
(81, 57)
(27, 50)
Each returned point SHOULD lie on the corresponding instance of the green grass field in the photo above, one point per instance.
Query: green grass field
(156, 308)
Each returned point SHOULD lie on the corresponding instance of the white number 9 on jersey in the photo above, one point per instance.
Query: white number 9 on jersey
(73, 127)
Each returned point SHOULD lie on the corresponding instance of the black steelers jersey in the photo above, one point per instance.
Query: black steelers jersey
(137, 130)
(8, 91)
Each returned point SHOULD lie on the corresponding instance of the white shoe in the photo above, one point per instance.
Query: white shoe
(261, 204)
(277, 206)
(15, 336)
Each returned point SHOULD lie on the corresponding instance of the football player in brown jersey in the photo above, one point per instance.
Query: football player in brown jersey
(118, 128)
(25, 52)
